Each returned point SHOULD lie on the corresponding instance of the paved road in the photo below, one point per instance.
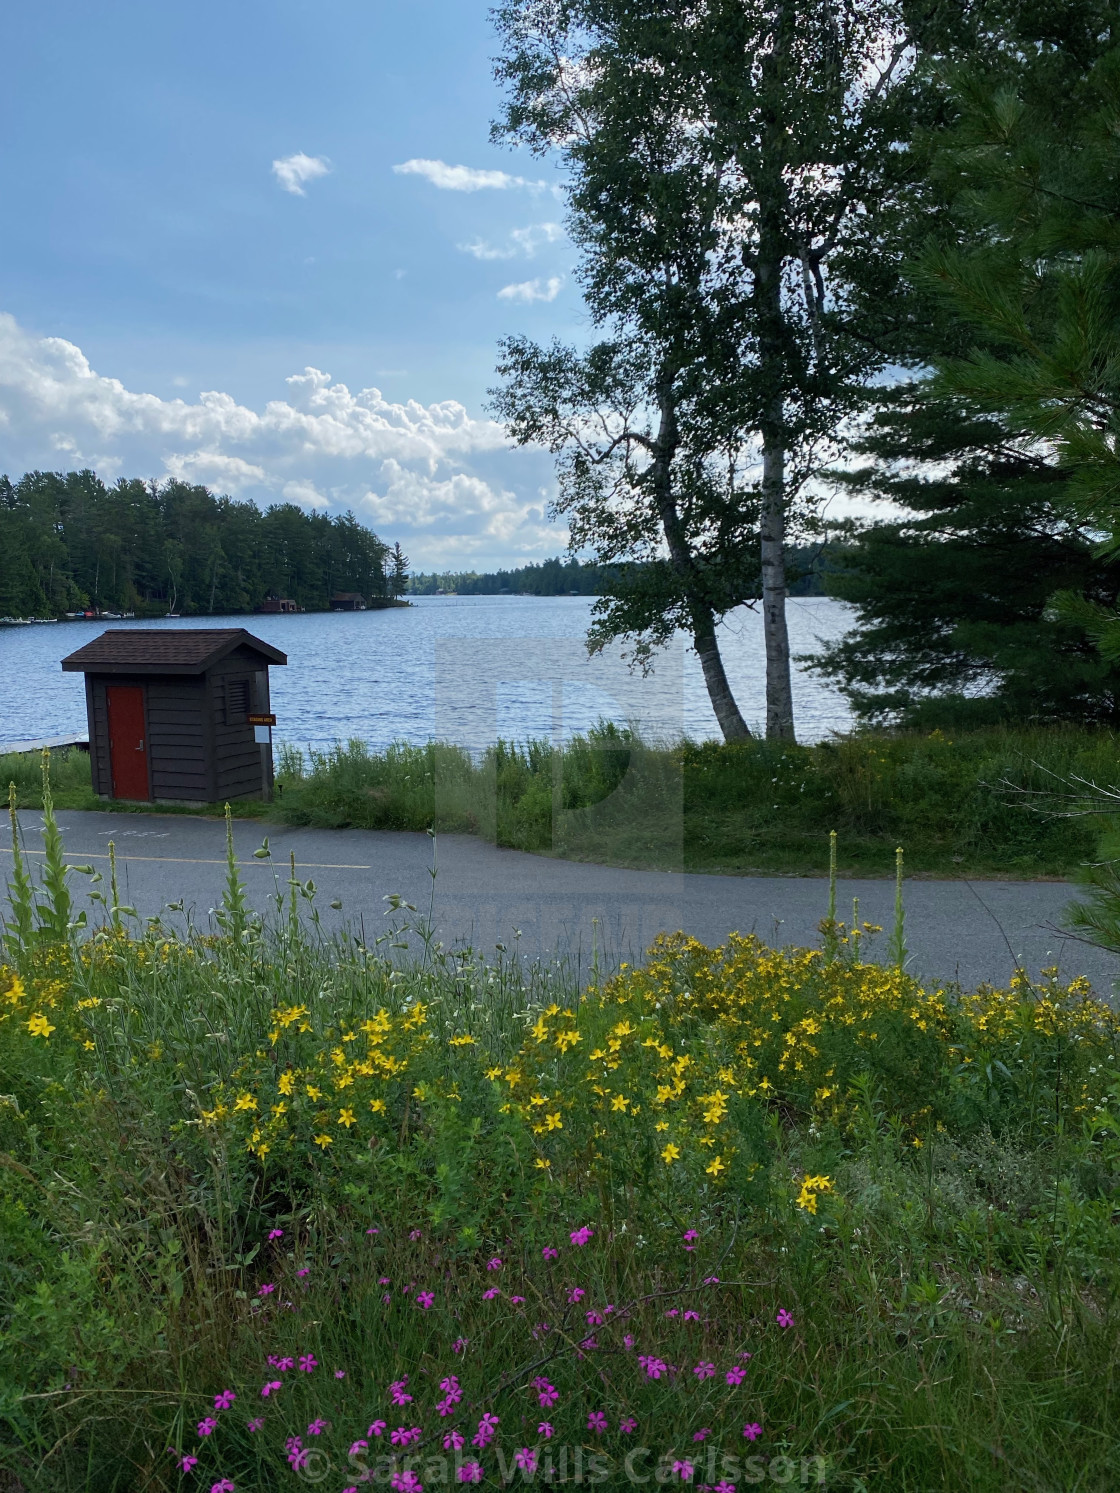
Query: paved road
(956, 930)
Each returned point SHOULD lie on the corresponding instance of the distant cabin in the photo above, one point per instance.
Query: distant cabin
(348, 601)
(275, 604)
(178, 715)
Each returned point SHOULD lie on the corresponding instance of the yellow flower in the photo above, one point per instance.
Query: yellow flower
(662, 1125)
(564, 1040)
(670, 1154)
(313, 1092)
(245, 1101)
(717, 1165)
(378, 1106)
(554, 1122)
(286, 1083)
(39, 1026)
(464, 1041)
(542, 1164)
(346, 1117)
(492, 1073)
(620, 1101)
(323, 1140)
(811, 1187)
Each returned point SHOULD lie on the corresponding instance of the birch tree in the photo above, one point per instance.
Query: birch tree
(731, 170)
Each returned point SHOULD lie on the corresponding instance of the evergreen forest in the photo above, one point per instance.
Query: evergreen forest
(71, 543)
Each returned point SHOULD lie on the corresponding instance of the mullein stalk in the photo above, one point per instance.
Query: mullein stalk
(55, 911)
(19, 928)
(900, 955)
(829, 928)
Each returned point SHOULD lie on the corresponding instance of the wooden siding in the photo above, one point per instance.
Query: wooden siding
(237, 753)
(177, 746)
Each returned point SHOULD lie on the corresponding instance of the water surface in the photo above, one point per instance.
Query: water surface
(463, 667)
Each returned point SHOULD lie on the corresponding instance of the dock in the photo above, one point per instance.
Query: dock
(48, 743)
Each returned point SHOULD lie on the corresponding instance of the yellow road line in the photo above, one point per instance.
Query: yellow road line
(193, 860)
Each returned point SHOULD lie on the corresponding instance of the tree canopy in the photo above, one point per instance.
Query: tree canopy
(70, 541)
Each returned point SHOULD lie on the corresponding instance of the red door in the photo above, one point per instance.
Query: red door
(128, 750)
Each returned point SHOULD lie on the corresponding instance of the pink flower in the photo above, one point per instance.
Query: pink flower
(340, 1373)
(547, 1396)
(736, 1375)
(627, 1425)
(453, 1441)
(746, 1357)
(683, 1469)
(317, 1426)
(673, 1312)
(692, 1316)
(256, 1423)
(308, 1362)
(589, 1344)
(223, 1485)
(704, 1370)
(458, 1345)
(594, 1319)
(377, 1428)
(690, 1236)
(545, 1430)
(416, 1234)
(224, 1400)
(724, 1487)
(654, 1367)
(752, 1431)
(373, 1231)
(549, 1252)
(486, 1428)
(284, 1364)
(470, 1472)
(397, 1392)
(581, 1236)
(405, 1435)
(540, 1329)
(383, 1280)
(266, 1290)
(517, 1301)
(597, 1422)
(450, 1387)
(303, 1272)
(711, 1280)
(270, 1388)
(526, 1458)
(491, 1293)
(425, 1299)
(577, 1293)
(628, 1340)
(387, 1296)
(406, 1482)
(356, 1447)
(784, 1318)
(208, 1426)
(494, 1264)
(276, 1234)
(186, 1463)
(702, 1435)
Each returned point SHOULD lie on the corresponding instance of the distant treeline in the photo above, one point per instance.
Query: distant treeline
(807, 566)
(69, 542)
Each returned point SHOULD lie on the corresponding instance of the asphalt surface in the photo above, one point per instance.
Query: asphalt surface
(956, 930)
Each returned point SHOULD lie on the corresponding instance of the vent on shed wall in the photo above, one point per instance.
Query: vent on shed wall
(237, 701)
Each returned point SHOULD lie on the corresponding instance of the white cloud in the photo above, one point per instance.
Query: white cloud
(306, 494)
(441, 480)
(533, 290)
(292, 171)
(521, 241)
(465, 178)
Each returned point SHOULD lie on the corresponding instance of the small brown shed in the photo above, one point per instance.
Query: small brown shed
(178, 715)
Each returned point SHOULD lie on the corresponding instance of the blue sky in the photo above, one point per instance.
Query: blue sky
(203, 201)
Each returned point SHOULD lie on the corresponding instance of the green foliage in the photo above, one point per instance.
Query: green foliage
(68, 542)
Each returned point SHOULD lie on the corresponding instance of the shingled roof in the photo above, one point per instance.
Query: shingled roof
(179, 650)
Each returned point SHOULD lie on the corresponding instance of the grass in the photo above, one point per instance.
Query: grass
(780, 1208)
(952, 801)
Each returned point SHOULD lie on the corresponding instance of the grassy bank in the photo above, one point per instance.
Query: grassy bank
(270, 1205)
(950, 800)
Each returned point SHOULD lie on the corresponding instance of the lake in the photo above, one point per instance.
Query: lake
(464, 668)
